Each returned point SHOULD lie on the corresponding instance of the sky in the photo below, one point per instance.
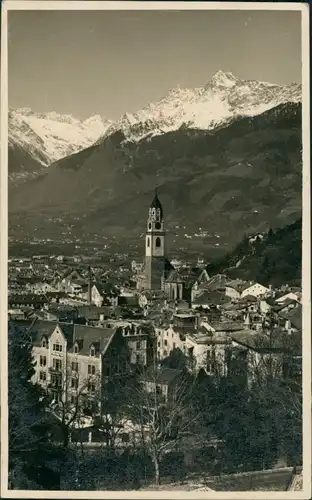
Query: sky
(111, 62)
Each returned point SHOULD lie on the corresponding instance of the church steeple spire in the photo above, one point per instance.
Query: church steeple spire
(156, 207)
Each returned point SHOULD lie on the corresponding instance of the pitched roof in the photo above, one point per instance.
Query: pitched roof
(92, 312)
(41, 328)
(156, 204)
(226, 326)
(27, 299)
(294, 316)
(238, 284)
(213, 297)
(91, 335)
(248, 298)
(85, 335)
(260, 341)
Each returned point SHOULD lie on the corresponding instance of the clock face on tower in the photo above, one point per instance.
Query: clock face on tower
(157, 225)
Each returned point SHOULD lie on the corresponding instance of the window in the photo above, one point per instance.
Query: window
(43, 376)
(174, 345)
(125, 437)
(165, 353)
(158, 390)
(92, 351)
(74, 383)
(57, 347)
(149, 226)
(76, 349)
(165, 342)
(148, 242)
(74, 366)
(158, 344)
(138, 345)
(107, 371)
(158, 242)
(43, 360)
(140, 359)
(56, 380)
(91, 369)
(44, 343)
(91, 387)
(57, 364)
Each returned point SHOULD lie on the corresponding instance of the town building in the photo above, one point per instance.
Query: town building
(156, 266)
(74, 361)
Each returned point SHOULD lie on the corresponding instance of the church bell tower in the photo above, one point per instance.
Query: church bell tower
(155, 246)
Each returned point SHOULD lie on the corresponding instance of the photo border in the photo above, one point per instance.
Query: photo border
(13, 5)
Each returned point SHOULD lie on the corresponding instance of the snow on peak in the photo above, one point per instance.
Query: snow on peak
(49, 137)
(224, 97)
(224, 79)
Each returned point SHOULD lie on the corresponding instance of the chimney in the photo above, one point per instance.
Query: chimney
(89, 286)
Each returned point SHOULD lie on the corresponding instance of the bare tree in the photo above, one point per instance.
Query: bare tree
(116, 408)
(72, 403)
(163, 417)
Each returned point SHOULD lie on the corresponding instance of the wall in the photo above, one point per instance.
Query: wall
(231, 292)
(256, 290)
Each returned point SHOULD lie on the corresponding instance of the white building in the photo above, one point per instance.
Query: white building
(255, 289)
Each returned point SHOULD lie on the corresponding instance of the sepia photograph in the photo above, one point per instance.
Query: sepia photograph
(155, 250)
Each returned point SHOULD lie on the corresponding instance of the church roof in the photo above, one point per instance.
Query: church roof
(156, 204)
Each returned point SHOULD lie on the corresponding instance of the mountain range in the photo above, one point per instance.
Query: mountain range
(226, 157)
(48, 137)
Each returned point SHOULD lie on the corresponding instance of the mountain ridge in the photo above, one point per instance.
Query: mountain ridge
(225, 180)
(221, 99)
(49, 137)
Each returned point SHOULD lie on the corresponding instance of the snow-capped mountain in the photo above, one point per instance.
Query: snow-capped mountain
(222, 99)
(48, 137)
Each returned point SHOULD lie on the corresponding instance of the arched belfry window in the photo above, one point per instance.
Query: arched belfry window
(158, 242)
(148, 242)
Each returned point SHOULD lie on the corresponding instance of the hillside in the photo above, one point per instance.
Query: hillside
(23, 165)
(273, 258)
(243, 178)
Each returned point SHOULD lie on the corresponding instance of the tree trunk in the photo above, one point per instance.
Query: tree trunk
(156, 465)
(65, 433)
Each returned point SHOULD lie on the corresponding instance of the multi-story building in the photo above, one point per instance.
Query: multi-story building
(75, 361)
(139, 338)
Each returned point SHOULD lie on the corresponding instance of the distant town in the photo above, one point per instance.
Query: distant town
(162, 357)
